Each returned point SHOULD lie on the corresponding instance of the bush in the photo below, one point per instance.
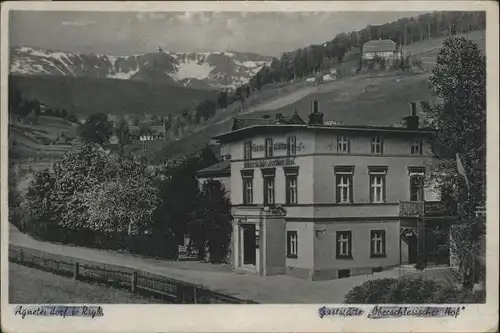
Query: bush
(402, 291)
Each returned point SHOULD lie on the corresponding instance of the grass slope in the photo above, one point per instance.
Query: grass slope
(31, 286)
(32, 140)
(83, 96)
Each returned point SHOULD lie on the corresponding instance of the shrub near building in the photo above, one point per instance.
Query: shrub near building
(402, 291)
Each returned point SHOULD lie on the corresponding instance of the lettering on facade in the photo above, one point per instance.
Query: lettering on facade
(268, 163)
(277, 146)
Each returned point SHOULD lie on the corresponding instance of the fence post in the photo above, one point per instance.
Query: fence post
(77, 270)
(21, 256)
(133, 282)
(195, 297)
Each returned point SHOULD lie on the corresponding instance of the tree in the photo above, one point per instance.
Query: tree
(96, 129)
(459, 119)
(211, 227)
(122, 205)
(41, 203)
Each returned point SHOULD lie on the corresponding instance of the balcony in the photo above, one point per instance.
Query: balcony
(420, 209)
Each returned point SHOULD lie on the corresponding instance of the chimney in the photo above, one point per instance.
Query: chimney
(412, 120)
(413, 109)
(315, 106)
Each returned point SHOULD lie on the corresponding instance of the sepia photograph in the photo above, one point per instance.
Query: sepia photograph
(246, 157)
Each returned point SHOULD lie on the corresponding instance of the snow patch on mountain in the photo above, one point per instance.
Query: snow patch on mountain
(193, 70)
(123, 75)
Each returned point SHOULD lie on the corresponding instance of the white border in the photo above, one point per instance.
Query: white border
(264, 318)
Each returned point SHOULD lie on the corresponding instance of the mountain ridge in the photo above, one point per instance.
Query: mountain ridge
(200, 70)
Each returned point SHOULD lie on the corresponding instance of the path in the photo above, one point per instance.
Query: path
(263, 289)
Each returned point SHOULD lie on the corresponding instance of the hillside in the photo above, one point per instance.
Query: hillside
(43, 139)
(209, 70)
(370, 99)
(84, 95)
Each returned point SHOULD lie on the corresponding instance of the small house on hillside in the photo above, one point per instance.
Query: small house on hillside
(383, 48)
(149, 133)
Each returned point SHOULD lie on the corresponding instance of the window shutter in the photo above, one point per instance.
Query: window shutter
(383, 242)
(244, 191)
(421, 147)
(348, 145)
(384, 185)
(370, 187)
(381, 145)
(372, 246)
(297, 243)
(349, 237)
(337, 245)
(265, 191)
(351, 189)
(337, 188)
(288, 242)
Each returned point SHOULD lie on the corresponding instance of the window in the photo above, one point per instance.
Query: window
(344, 244)
(377, 145)
(417, 176)
(377, 248)
(247, 176)
(344, 188)
(343, 179)
(291, 145)
(377, 188)
(269, 147)
(248, 150)
(268, 175)
(291, 189)
(417, 188)
(269, 190)
(377, 184)
(343, 144)
(416, 147)
(291, 175)
(292, 244)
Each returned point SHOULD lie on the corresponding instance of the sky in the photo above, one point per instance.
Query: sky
(127, 33)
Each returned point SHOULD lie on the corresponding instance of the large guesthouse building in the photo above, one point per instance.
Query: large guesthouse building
(324, 202)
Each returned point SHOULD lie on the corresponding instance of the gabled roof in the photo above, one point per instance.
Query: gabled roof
(220, 169)
(381, 45)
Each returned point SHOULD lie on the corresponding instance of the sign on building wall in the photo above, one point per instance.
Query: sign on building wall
(268, 163)
(277, 146)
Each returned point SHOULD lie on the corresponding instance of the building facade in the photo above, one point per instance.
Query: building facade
(326, 202)
(382, 48)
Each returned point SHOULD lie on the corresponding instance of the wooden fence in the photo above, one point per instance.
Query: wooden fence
(137, 281)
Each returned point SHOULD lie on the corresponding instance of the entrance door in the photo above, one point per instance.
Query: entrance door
(249, 244)
(412, 249)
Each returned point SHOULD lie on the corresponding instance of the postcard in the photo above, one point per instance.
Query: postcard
(249, 166)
